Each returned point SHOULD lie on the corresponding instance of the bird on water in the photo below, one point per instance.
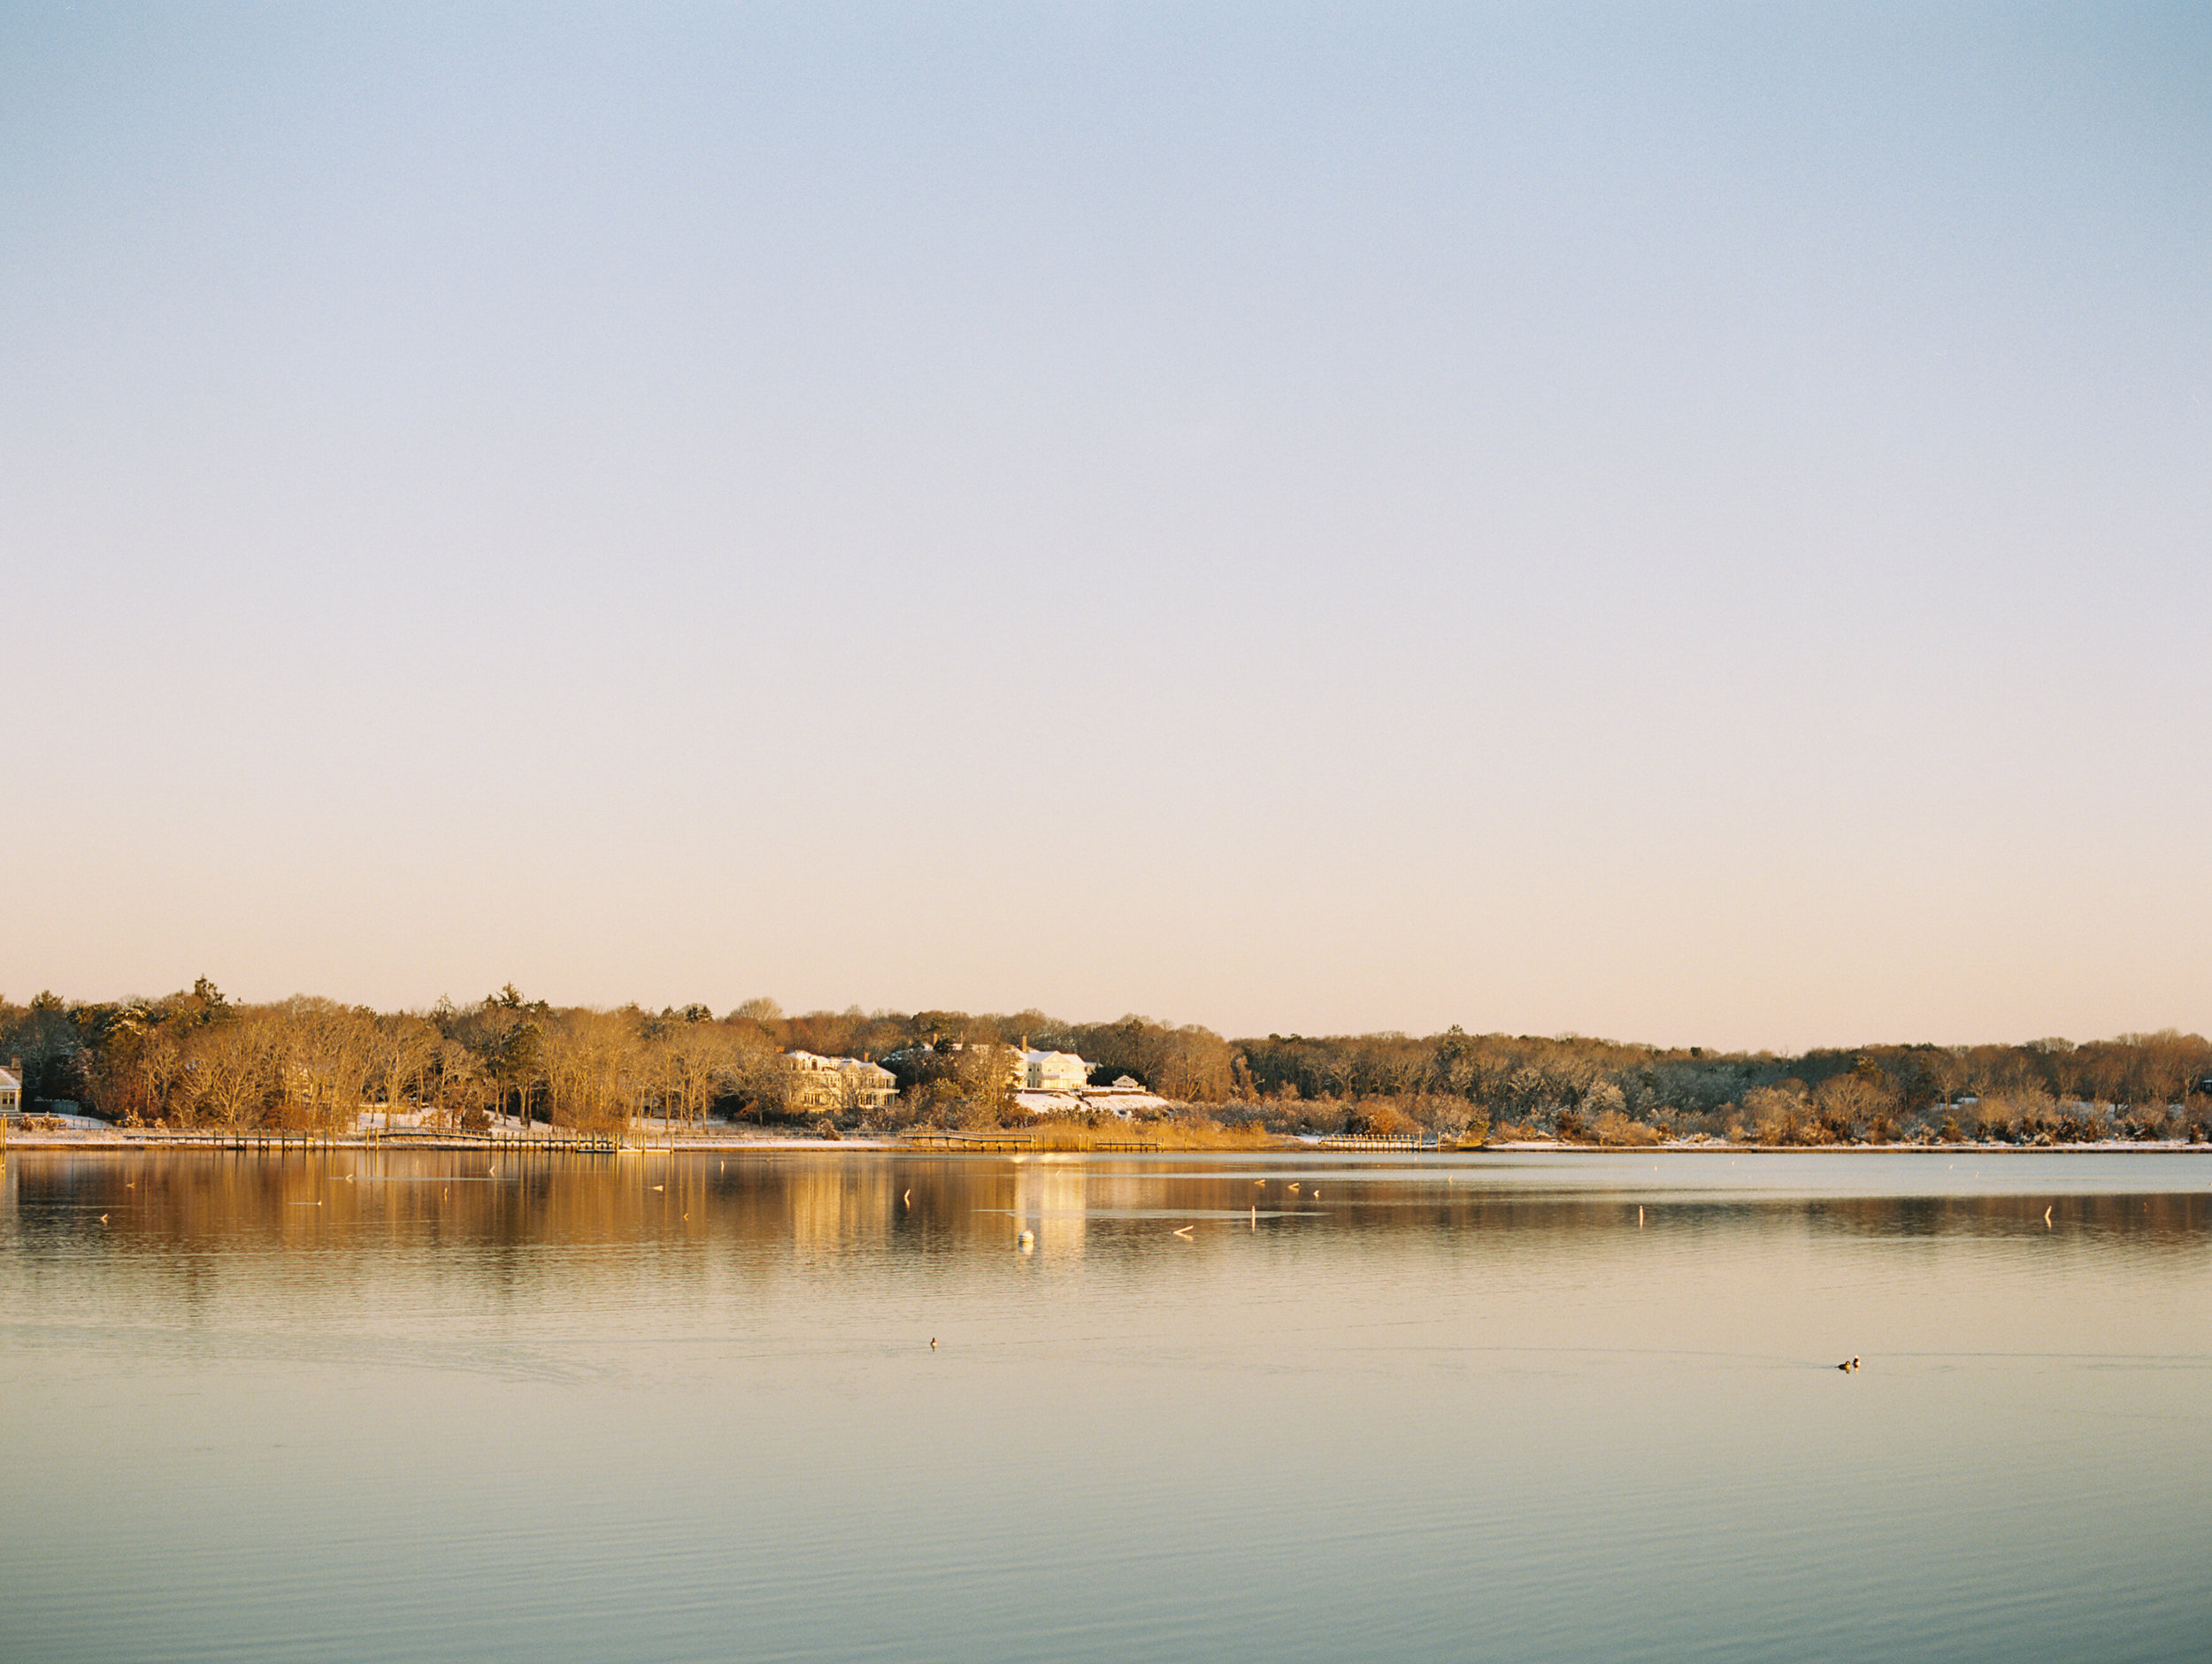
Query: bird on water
(1849, 1365)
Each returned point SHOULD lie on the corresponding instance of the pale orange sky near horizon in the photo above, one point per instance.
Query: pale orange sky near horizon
(1683, 527)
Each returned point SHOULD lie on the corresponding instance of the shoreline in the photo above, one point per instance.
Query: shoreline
(120, 1139)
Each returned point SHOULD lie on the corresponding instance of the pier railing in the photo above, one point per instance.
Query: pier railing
(281, 1140)
(521, 1143)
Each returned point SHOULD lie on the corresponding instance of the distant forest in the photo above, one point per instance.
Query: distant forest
(195, 1058)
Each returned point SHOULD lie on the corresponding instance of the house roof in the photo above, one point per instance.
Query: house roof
(815, 1060)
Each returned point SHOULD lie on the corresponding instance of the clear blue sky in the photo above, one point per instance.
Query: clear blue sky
(1688, 524)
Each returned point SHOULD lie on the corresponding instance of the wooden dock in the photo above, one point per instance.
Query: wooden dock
(1024, 1143)
(548, 1143)
(1370, 1141)
(285, 1140)
(970, 1140)
(255, 1139)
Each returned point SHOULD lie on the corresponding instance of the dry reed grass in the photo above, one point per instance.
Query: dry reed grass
(1174, 1132)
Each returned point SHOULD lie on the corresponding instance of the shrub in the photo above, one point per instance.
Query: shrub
(1777, 1115)
(1380, 1118)
(1615, 1128)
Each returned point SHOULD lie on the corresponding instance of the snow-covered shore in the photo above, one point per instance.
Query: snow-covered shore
(82, 1132)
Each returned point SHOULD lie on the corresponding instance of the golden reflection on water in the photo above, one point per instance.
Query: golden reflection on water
(1051, 1194)
(829, 1204)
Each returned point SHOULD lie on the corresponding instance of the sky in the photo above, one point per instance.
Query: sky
(1685, 524)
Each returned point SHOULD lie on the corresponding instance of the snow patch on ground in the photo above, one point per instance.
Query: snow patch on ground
(1120, 1102)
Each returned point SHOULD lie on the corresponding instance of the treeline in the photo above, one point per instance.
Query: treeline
(2137, 1086)
(196, 1058)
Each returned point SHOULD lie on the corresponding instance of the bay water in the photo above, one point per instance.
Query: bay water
(450, 1406)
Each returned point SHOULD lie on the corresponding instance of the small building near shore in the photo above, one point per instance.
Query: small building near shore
(12, 1088)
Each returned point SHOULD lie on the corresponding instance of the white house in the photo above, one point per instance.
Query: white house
(12, 1089)
(1054, 1071)
(839, 1083)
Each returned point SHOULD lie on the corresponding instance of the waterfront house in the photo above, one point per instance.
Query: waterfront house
(12, 1088)
(838, 1083)
(1053, 1071)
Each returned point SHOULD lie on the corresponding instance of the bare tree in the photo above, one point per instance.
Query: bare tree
(235, 1060)
(400, 1053)
(329, 1054)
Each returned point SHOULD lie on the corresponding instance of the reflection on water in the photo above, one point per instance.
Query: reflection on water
(349, 1405)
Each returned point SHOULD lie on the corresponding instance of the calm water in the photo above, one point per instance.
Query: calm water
(406, 1407)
